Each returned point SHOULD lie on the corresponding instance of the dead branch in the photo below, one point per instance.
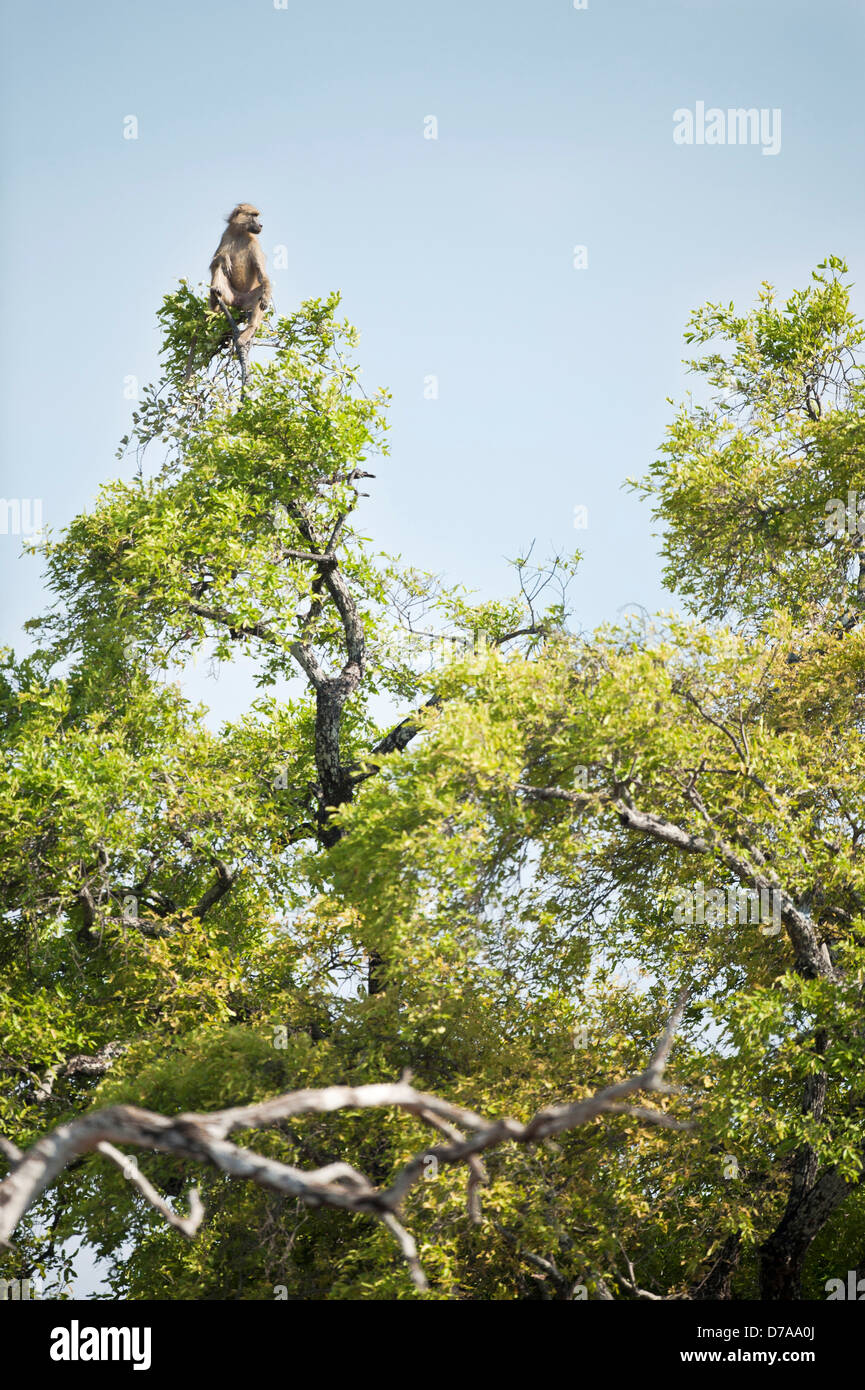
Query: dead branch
(203, 1138)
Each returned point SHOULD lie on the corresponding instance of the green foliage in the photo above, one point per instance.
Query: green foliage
(747, 483)
(166, 888)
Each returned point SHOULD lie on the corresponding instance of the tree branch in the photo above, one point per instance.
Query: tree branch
(812, 955)
(203, 1138)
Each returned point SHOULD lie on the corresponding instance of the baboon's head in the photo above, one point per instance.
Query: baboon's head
(245, 218)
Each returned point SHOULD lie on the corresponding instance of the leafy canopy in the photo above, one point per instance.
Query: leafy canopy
(474, 869)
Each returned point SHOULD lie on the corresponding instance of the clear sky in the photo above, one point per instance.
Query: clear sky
(454, 256)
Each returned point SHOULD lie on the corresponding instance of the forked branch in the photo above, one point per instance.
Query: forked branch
(203, 1138)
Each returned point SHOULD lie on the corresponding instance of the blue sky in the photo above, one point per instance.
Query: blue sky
(454, 256)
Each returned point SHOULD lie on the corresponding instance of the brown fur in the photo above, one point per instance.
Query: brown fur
(238, 277)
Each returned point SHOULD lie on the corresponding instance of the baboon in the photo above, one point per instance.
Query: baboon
(237, 272)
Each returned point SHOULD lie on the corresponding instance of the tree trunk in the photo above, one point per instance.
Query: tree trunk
(783, 1254)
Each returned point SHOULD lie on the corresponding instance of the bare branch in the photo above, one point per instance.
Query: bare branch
(10, 1151)
(203, 1138)
(130, 1170)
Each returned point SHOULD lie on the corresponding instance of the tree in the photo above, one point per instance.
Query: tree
(562, 857)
